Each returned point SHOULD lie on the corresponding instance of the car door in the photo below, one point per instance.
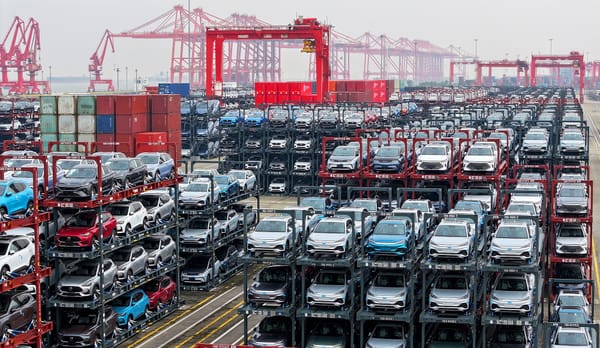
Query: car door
(24, 250)
(15, 313)
(11, 199)
(164, 290)
(109, 273)
(106, 228)
(137, 218)
(137, 260)
(138, 305)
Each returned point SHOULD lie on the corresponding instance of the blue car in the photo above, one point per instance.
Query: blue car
(15, 197)
(389, 159)
(475, 206)
(232, 118)
(392, 236)
(228, 184)
(255, 118)
(186, 108)
(27, 177)
(131, 307)
(160, 164)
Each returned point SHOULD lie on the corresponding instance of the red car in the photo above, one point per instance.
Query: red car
(371, 118)
(160, 291)
(82, 231)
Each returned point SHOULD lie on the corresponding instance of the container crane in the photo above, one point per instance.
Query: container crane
(96, 61)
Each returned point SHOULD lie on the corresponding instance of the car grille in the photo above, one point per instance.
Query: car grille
(71, 289)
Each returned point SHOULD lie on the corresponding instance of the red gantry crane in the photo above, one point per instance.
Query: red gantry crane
(315, 38)
(520, 65)
(573, 60)
(19, 52)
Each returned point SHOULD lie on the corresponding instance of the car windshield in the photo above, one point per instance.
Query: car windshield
(119, 210)
(468, 205)
(510, 337)
(572, 136)
(121, 255)
(445, 230)
(122, 301)
(370, 205)
(82, 173)
(566, 300)
(198, 262)
(356, 216)
(535, 136)
(388, 332)
(572, 316)
(15, 162)
(82, 220)
(501, 136)
(390, 228)
(516, 232)
(196, 187)
(389, 152)
(26, 175)
(344, 151)
(273, 276)
(389, 280)
(198, 224)
(151, 244)
(118, 164)
(314, 202)
(273, 326)
(271, 226)
(512, 284)
(449, 335)
(149, 159)
(239, 175)
(327, 278)
(85, 320)
(572, 191)
(451, 283)
(67, 164)
(520, 208)
(533, 190)
(434, 151)
(330, 227)
(422, 206)
(85, 270)
(148, 200)
(222, 180)
(571, 339)
(573, 232)
(480, 151)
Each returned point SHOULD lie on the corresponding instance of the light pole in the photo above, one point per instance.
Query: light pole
(126, 78)
(475, 47)
(415, 77)
(135, 82)
(50, 77)
(551, 39)
(118, 70)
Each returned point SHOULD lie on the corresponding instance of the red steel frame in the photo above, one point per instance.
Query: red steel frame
(573, 219)
(505, 63)
(38, 273)
(558, 167)
(554, 258)
(588, 275)
(594, 74)
(573, 60)
(460, 62)
(324, 174)
(447, 176)
(303, 28)
(502, 164)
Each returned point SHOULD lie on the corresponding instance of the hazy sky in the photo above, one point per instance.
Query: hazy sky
(71, 29)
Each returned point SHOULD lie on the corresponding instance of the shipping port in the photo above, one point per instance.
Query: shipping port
(404, 193)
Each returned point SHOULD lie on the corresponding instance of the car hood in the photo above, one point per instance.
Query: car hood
(441, 344)
(387, 291)
(386, 158)
(120, 310)
(386, 342)
(511, 243)
(572, 200)
(326, 237)
(479, 159)
(342, 158)
(510, 295)
(534, 142)
(77, 330)
(433, 158)
(572, 142)
(324, 289)
(572, 240)
(74, 231)
(386, 238)
(258, 286)
(73, 280)
(266, 236)
(195, 232)
(324, 342)
(186, 195)
(449, 293)
(448, 240)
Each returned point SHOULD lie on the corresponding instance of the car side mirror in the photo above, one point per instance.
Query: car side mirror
(8, 194)
(11, 252)
(12, 310)
(131, 213)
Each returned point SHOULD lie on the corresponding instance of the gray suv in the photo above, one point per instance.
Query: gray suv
(84, 280)
(272, 285)
(450, 293)
(387, 291)
(513, 293)
(330, 288)
(130, 261)
(160, 248)
(273, 235)
(513, 240)
(453, 238)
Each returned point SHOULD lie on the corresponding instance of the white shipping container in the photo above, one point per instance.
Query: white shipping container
(66, 104)
(87, 138)
(67, 124)
(86, 124)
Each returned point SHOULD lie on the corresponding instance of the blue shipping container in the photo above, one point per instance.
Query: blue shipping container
(105, 124)
(182, 89)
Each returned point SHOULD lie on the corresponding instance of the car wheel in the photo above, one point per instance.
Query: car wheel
(158, 261)
(145, 223)
(127, 229)
(95, 243)
(5, 335)
(95, 293)
(32, 263)
(156, 177)
(146, 267)
(3, 214)
(130, 322)
(29, 209)
(126, 184)
(147, 312)
(159, 305)
(93, 193)
(130, 275)
(5, 271)
(172, 174)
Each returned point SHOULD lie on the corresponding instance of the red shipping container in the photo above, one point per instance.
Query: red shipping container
(341, 86)
(104, 143)
(283, 92)
(165, 122)
(151, 142)
(165, 103)
(332, 85)
(124, 143)
(259, 93)
(295, 91)
(306, 89)
(271, 93)
(131, 104)
(131, 124)
(105, 105)
(175, 137)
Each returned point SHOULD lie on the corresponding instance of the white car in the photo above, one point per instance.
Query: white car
(303, 164)
(435, 156)
(130, 216)
(332, 236)
(246, 178)
(278, 185)
(571, 337)
(16, 253)
(481, 157)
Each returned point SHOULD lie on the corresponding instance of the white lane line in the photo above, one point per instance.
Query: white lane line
(228, 331)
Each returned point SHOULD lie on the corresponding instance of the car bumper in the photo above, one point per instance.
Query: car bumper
(520, 307)
(385, 303)
(448, 253)
(325, 250)
(439, 305)
(73, 292)
(325, 301)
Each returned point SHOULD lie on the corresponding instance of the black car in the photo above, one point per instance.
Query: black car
(17, 310)
(279, 119)
(228, 255)
(329, 120)
(129, 172)
(228, 143)
(273, 332)
(574, 272)
(272, 285)
(511, 337)
(81, 182)
(277, 164)
(84, 328)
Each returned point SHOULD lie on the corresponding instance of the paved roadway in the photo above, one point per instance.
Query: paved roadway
(211, 317)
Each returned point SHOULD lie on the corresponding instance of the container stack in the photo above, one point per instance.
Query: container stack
(48, 120)
(105, 123)
(165, 116)
(67, 123)
(131, 118)
(86, 119)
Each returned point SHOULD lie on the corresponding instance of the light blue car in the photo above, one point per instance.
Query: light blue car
(131, 307)
(392, 236)
(232, 118)
(15, 197)
(160, 164)
(228, 184)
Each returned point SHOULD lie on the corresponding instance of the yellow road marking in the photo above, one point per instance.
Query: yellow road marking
(235, 307)
(596, 273)
(150, 334)
(216, 330)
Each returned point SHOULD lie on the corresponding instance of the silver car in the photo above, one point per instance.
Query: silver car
(159, 206)
(160, 249)
(84, 280)
(450, 293)
(273, 235)
(344, 158)
(513, 293)
(452, 238)
(330, 288)
(572, 239)
(535, 142)
(435, 156)
(130, 261)
(332, 236)
(570, 337)
(387, 291)
(271, 286)
(200, 231)
(572, 142)
(199, 194)
(387, 336)
(513, 240)
(572, 198)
